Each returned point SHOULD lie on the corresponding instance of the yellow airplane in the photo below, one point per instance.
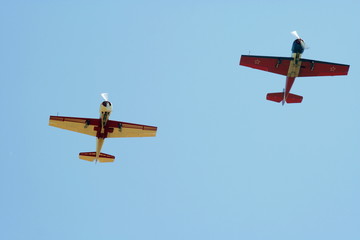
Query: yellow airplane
(101, 128)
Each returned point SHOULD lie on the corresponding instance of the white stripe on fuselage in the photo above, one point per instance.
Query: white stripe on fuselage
(295, 64)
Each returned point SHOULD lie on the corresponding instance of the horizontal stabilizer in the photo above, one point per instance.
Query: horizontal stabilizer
(276, 97)
(292, 98)
(91, 156)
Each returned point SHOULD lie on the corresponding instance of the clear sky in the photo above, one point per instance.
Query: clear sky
(226, 163)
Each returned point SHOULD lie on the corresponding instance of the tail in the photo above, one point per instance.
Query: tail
(91, 156)
(279, 97)
(292, 98)
(275, 97)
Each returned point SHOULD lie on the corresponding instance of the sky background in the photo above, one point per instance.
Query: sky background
(225, 164)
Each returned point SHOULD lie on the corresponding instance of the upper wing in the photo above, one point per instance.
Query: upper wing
(279, 65)
(317, 68)
(124, 129)
(81, 125)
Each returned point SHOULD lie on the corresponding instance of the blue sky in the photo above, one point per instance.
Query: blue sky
(226, 163)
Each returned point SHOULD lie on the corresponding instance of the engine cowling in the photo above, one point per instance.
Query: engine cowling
(105, 106)
(298, 46)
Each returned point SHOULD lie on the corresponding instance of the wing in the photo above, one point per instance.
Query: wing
(310, 68)
(124, 129)
(278, 65)
(80, 125)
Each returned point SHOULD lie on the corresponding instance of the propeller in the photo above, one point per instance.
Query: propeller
(105, 96)
(295, 34)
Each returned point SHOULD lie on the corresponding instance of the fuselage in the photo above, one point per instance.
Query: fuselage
(105, 111)
(294, 67)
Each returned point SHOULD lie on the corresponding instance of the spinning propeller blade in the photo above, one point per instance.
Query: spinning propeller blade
(295, 34)
(105, 96)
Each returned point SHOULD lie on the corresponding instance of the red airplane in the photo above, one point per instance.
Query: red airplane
(293, 67)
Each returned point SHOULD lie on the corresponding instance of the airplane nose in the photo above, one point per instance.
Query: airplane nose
(105, 106)
(106, 103)
(297, 46)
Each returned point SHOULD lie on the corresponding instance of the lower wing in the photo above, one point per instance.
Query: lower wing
(124, 129)
(312, 68)
(278, 65)
(80, 125)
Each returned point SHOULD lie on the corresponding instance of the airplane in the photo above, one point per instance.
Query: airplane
(101, 128)
(292, 67)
